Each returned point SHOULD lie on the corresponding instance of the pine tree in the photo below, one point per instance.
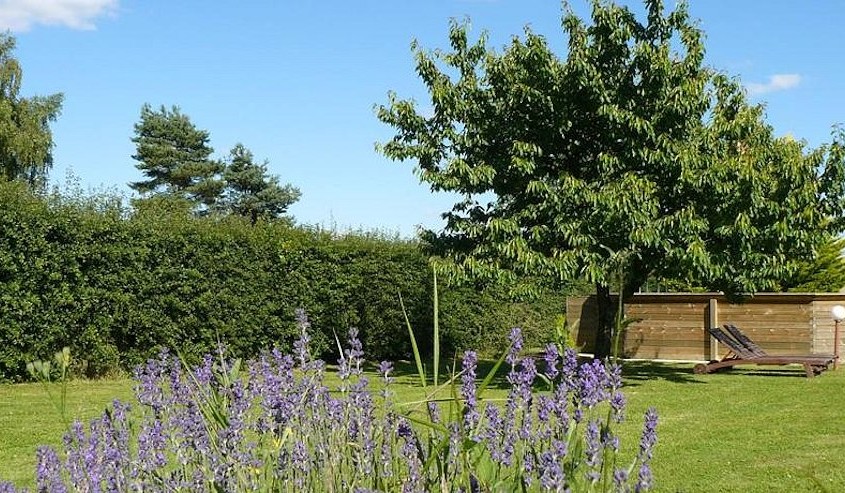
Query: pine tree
(824, 273)
(175, 157)
(250, 191)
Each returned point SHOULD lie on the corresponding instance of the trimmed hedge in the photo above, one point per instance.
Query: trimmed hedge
(117, 288)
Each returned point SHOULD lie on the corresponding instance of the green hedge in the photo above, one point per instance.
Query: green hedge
(117, 288)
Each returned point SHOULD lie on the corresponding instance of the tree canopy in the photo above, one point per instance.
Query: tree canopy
(824, 273)
(176, 158)
(26, 142)
(627, 155)
(250, 192)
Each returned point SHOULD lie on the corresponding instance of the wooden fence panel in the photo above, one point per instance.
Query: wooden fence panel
(674, 325)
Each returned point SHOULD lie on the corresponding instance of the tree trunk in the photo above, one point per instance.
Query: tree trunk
(606, 320)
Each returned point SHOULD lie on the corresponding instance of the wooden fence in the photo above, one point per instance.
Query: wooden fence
(673, 326)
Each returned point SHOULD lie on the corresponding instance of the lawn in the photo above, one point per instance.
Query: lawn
(743, 430)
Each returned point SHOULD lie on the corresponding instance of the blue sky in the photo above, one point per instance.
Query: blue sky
(296, 81)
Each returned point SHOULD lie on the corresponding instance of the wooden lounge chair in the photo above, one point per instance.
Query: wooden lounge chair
(743, 351)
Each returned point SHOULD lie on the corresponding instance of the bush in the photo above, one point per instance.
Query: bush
(276, 426)
(117, 286)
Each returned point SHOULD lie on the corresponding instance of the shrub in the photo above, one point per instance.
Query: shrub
(275, 426)
(117, 287)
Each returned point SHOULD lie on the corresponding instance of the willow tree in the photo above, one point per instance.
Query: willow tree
(624, 158)
(26, 141)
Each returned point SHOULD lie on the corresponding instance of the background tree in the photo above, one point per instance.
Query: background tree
(625, 160)
(249, 191)
(824, 273)
(175, 157)
(26, 142)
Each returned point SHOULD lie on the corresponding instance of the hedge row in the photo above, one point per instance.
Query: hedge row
(117, 288)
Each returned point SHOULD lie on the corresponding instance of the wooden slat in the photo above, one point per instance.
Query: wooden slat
(673, 326)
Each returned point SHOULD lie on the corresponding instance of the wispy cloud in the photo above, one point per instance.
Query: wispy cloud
(22, 15)
(777, 82)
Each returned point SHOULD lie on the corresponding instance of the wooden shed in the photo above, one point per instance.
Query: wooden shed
(673, 326)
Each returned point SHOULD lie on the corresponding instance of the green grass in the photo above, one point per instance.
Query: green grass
(743, 430)
(28, 419)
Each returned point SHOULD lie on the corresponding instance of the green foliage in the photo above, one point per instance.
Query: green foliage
(26, 142)
(175, 157)
(115, 287)
(824, 273)
(628, 154)
(250, 192)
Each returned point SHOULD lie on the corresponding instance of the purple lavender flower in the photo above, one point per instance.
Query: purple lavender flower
(550, 471)
(649, 437)
(200, 430)
(7, 487)
(617, 405)
(433, 412)
(147, 377)
(515, 338)
(545, 408)
(116, 455)
(609, 441)
(644, 479)
(569, 369)
(551, 356)
(151, 445)
(204, 373)
(528, 467)
(592, 379)
(469, 390)
(300, 462)
(491, 436)
(620, 479)
(48, 475)
(614, 376)
(385, 368)
(350, 359)
(593, 450)
(74, 441)
(409, 452)
(300, 347)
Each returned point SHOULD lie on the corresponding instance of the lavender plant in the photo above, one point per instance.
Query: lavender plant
(274, 424)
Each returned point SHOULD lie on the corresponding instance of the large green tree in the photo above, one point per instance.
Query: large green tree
(250, 191)
(625, 159)
(26, 142)
(175, 158)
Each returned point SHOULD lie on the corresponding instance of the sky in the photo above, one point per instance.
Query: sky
(297, 81)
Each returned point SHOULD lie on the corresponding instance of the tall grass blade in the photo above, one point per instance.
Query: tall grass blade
(436, 331)
(414, 347)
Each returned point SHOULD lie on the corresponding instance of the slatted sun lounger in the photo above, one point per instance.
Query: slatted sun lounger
(743, 351)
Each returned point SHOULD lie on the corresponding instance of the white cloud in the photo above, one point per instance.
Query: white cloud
(21, 15)
(777, 82)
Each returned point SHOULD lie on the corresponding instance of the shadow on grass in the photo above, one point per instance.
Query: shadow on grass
(406, 372)
(634, 372)
(638, 371)
(763, 371)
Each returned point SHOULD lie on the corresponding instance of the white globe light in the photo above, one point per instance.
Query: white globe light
(838, 313)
